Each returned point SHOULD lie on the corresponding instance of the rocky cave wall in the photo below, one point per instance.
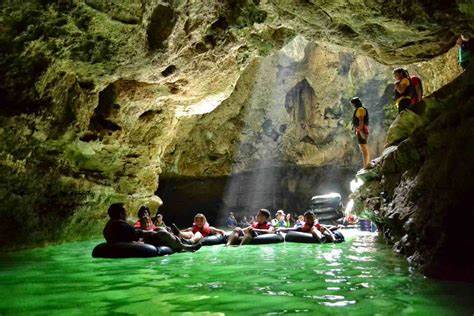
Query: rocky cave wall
(92, 93)
(419, 192)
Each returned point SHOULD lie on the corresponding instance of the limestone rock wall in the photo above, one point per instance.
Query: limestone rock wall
(284, 109)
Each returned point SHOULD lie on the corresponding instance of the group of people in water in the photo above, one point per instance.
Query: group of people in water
(155, 232)
(408, 91)
(281, 220)
(264, 225)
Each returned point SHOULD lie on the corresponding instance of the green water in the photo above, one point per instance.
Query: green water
(359, 277)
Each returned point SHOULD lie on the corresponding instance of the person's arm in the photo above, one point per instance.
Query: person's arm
(333, 228)
(270, 230)
(316, 232)
(324, 229)
(186, 229)
(418, 93)
(287, 229)
(216, 231)
(402, 85)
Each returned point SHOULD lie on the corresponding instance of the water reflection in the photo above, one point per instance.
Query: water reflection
(358, 276)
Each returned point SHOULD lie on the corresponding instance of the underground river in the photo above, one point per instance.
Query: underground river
(359, 277)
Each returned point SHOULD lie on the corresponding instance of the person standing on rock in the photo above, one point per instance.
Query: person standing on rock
(464, 51)
(360, 123)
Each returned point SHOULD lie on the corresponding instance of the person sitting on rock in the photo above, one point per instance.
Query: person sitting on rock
(144, 221)
(403, 89)
(418, 87)
(279, 220)
(198, 231)
(311, 225)
(261, 226)
(118, 230)
(360, 123)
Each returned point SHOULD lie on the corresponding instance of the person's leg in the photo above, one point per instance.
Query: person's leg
(247, 237)
(234, 237)
(316, 234)
(186, 235)
(365, 154)
(196, 238)
(163, 238)
(330, 236)
(403, 105)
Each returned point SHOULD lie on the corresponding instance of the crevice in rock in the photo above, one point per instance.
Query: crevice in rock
(89, 136)
(210, 40)
(221, 24)
(100, 120)
(346, 31)
(168, 71)
(149, 114)
(299, 100)
(161, 26)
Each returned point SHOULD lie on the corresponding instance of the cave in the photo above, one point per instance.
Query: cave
(292, 189)
(112, 112)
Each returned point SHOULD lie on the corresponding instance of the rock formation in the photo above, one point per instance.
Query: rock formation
(419, 191)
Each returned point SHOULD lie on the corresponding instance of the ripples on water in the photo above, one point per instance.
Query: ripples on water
(359, 277)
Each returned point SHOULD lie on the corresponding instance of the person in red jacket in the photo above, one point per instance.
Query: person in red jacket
(144, 221)
(198, 231)
(261, 226)
(117, 230)
(311, 225)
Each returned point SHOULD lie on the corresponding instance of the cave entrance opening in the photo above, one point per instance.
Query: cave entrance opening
(292, 190)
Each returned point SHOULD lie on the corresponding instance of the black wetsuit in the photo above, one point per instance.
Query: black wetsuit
(119, 231)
